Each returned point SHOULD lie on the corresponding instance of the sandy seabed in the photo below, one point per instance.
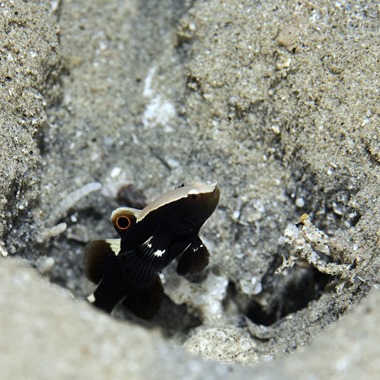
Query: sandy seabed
(277, 101)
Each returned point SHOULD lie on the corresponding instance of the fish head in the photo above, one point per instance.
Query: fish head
(185, 209)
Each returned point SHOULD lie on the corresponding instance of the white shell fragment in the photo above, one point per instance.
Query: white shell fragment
(207, 296)
(70, 200)
(48, 233)
(45, 264)
(309, 243)
(3, 251)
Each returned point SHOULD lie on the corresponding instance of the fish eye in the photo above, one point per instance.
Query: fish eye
(123, 223)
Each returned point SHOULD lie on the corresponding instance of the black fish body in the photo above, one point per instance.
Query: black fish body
(151, 239)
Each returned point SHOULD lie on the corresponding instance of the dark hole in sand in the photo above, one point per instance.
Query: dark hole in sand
(303, 284)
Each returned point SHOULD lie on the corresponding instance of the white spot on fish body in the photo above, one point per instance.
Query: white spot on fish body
(159, 252)
(148, 242)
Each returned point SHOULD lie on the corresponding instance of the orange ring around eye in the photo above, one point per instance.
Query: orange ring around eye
(123, 222)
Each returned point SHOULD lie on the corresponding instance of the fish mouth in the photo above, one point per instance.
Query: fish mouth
(215, 195)
(211, 196)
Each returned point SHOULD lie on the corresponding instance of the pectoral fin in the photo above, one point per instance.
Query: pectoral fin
(194, 259)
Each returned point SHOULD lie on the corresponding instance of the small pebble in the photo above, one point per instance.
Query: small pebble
(300, 202)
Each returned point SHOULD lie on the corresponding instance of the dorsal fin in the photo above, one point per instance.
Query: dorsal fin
(96, 257)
